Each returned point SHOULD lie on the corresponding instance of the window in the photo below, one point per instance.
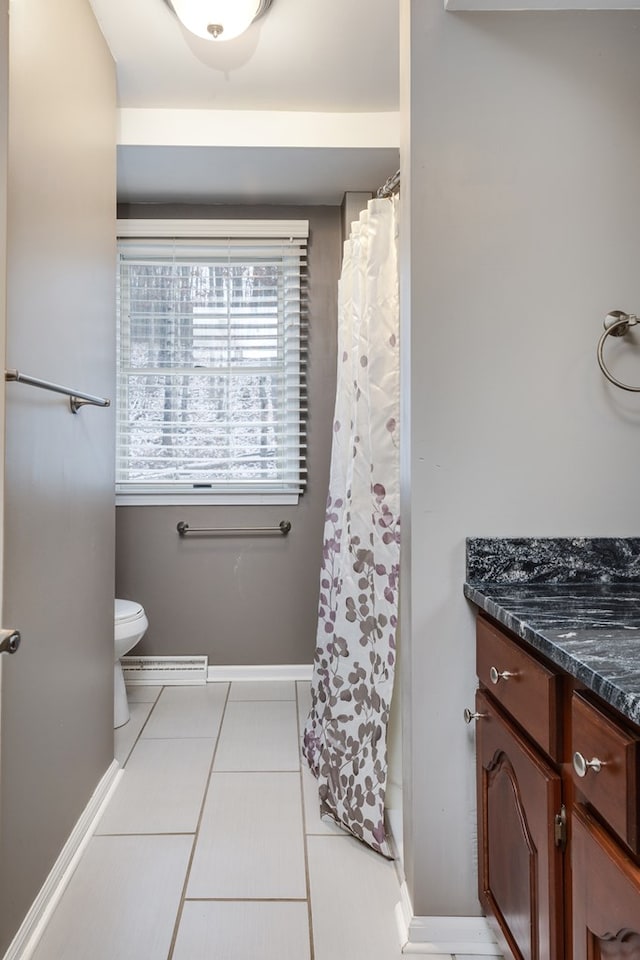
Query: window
(212, 335)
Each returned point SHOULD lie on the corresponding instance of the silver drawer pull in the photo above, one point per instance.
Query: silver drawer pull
(469, 715)
(582, 766)
(496, 675)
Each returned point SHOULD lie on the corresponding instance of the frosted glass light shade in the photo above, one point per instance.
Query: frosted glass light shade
(206, 17)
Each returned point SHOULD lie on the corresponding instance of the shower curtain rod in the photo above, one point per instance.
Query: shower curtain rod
(390, 186)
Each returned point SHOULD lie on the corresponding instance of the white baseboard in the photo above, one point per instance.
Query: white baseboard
(421, 936)
(286, 671)
(168, 671)
(26, 939)
(178, 671)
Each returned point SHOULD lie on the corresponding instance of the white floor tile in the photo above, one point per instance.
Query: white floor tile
(263, 690)
(143, 693)
(250, 844)
(354, 893)
(313, 822)
(247, 882)
(121, 902)
(124, 737)
(240, 931)
(258, 736)
(162, 788)
(187, 712)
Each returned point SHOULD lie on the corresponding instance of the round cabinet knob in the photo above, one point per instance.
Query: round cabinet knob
(582, 766)
(496, 675)
(469, 715)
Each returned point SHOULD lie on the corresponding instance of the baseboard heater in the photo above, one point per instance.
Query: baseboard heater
(164, 670)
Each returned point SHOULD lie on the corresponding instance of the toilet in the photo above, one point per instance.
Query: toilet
(129, 627)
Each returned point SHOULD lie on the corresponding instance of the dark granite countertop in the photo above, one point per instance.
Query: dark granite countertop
(579, 606)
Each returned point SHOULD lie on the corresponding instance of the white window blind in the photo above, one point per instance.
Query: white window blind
(212, 349)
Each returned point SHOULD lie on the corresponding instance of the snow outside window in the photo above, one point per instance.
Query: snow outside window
(212, 344)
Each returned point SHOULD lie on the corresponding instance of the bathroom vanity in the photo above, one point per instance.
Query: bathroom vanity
(557, 718)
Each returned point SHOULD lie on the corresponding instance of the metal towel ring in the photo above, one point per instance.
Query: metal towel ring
(616, 324)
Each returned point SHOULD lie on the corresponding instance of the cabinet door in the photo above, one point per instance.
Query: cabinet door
(520, 866)
(606, 894)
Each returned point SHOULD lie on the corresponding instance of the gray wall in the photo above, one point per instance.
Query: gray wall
(520, 193)
(243, 600)
(57, 691)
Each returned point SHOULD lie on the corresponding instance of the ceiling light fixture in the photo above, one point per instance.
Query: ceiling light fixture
(218, 19)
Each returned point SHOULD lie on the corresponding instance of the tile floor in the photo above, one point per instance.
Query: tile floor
(212, 847)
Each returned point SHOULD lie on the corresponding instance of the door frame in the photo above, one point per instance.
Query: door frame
(4, 149)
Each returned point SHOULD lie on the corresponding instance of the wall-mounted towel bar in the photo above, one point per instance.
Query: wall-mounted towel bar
(283, 527)
(76, 398)
(616, 324)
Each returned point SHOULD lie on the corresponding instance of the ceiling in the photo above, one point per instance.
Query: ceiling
(300, 109)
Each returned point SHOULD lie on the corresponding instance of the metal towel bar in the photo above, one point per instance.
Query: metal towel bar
(76, 398)
(283, 527)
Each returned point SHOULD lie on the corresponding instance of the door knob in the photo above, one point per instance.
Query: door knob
(9, 641)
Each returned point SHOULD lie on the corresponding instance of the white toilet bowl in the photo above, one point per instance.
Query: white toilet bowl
(129, 627)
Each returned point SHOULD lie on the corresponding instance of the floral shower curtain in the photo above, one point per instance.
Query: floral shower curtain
(345, 739)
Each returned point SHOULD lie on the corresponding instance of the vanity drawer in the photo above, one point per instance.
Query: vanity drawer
(606, 768)
(526, 688)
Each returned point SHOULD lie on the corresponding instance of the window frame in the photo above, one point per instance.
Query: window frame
(233, 230)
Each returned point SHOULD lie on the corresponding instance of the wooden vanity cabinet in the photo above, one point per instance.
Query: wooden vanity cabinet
(520, 865)
(558, 839)
(606, 752)
(524, 687)
(518, 741)
(605, 891)
(605, 836)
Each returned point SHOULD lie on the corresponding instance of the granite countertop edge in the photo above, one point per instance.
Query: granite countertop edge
(590, 655)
